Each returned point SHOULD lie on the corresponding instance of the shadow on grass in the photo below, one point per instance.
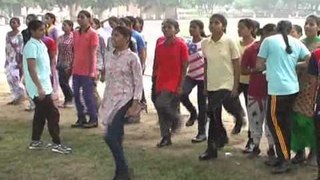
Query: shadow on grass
(92, 160)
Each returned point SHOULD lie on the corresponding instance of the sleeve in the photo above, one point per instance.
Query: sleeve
(304, 51)
(184, 52)
(30, 51)
(7, 44)
(55, 34)
(203, 48)
(137, 77)
(234, 50)
(94, 39)
(264, 49)
(313, 68)
(140, 43)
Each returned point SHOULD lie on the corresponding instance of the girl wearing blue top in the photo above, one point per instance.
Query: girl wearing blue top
(280, 54)
(36, 66)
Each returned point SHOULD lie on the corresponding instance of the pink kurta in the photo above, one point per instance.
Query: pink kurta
(123, 83)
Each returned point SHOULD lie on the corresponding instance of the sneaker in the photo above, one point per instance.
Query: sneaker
(68, 105)
(36, 145)
(299, 158)
(49, 146)
(199, 138)
(272, 162)
(61, 149)
(282, 168)
(255, 153)
(249, 147)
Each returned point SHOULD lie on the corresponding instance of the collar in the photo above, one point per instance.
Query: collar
(120, 52)
(85, 31)
(223, 37)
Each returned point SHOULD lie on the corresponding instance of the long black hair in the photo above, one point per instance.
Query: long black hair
(250, 24)
(125, 32)
(52, 16)
(200, 24)
(97, 22)
(284, 28)
(126, 22)
(35, 25)
(268, 28)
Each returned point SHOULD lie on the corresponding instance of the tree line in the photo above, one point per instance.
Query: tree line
(13, 7)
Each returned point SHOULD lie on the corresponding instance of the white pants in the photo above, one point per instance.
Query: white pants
(257, 110)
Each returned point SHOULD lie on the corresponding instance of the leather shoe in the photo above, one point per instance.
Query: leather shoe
(199, 138)
(91, 124)
(210, 154)
(165, 141)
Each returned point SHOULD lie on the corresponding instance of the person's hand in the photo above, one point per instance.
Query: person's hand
(234, 92)
(42, 94)
(102, 77)
(134, 110)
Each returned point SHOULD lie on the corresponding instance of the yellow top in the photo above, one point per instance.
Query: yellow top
(219, 55)
(244, 79)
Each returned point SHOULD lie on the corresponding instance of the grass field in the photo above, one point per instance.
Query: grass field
(91, 159)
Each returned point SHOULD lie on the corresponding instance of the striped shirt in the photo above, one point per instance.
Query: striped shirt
(65, 48)
(196, 61)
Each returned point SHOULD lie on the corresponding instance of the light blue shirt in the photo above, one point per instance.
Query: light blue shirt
(36, 49)
(281, 66)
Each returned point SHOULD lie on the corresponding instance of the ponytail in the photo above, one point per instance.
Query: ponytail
(203, 34)
(284, 28)
(131, 46)
(288, 47)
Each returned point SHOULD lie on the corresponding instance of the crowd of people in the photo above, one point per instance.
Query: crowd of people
(271, 66)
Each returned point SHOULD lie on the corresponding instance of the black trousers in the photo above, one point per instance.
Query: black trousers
(189, 84)
(279, 123)
(46, 110)
(217, 99)
(64, 78)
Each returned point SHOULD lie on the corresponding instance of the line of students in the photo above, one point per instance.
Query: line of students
(272, 88)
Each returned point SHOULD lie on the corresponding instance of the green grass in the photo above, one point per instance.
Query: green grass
(91, 159)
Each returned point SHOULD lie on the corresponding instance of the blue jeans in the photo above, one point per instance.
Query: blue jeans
(189, 84)
(87, 85)
(114, 139)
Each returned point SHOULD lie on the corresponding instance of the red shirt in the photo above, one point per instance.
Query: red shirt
(51, 45)
(169, 61)
(257, 82)
(83, 43)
